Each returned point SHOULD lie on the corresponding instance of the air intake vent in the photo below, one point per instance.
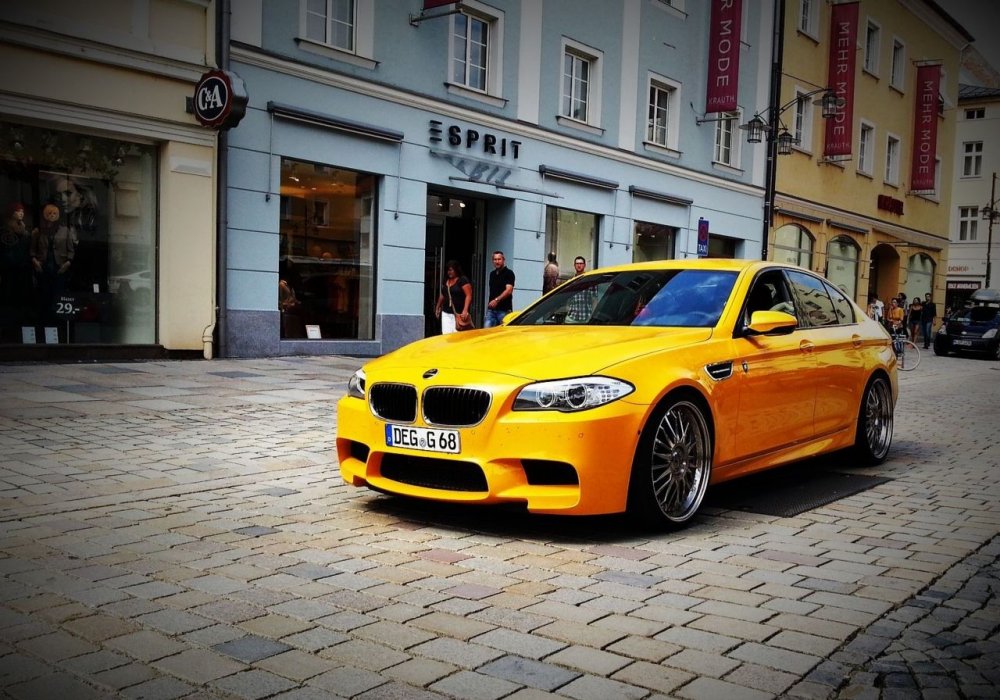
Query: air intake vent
(720, 370)
(393, 402)
(454, 406)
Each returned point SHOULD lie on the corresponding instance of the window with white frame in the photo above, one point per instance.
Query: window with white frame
(802, 127)
(727, 143)
(866, 148)
(972, 158)
(892, 160)
(809, 17)
(873, 42)
(663, 115)
(898, 77)
(470, 41)
(331, 22)
(581, 83)
(975, 113)
(339, 29)
(968, 223)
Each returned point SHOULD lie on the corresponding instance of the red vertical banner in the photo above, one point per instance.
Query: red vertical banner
(724, 55)
(925, 126)
(843, 61)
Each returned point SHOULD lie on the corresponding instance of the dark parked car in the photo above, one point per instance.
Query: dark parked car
(975, 328)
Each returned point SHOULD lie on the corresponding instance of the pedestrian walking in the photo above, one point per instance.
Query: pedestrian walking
(550, 275)
(453, 302)
(501, 291)
(927, 316)
(913, 316)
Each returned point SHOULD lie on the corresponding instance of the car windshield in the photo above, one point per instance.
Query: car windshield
(977, 314)
(690, 298)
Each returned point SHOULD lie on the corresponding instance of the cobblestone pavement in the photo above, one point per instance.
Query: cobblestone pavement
(178, 529)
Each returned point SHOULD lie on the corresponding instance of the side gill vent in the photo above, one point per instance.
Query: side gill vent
(720, 370)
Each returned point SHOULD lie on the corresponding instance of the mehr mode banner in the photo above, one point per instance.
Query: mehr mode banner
(724, 55)
(925, 128)
(843, 60)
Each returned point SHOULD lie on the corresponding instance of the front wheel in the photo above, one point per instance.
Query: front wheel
(672, 465)
(875, 420)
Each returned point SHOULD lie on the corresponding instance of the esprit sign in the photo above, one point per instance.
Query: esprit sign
(220, 100)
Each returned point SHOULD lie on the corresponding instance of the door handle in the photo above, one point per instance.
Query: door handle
(856, 341)
(806, 346)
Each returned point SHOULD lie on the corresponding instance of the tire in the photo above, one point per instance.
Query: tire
(875, 420)
(672, 465)
(994, 354)
(940, 348)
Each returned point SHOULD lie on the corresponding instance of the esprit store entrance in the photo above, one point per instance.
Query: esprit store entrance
(455, 231)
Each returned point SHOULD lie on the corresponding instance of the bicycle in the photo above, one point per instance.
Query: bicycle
(907, 352)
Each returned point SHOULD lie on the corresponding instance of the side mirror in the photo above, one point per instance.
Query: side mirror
(771, 323)
(510, 317)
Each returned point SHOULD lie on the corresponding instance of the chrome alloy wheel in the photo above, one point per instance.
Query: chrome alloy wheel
(681, 461)
(878, 418)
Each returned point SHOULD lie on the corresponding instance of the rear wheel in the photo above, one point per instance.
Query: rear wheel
(875, 420)
(672, 465)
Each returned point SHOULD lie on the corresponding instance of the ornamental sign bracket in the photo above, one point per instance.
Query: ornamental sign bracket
(220, 100)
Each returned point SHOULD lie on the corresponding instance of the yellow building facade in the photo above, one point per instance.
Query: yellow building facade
(856, 218)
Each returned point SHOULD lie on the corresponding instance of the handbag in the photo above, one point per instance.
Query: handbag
(459, 325)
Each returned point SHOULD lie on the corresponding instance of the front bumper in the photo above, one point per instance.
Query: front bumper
(572, 463)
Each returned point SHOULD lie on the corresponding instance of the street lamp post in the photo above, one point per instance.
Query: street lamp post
(991, 214)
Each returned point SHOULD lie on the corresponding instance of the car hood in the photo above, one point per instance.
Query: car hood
(538, 352)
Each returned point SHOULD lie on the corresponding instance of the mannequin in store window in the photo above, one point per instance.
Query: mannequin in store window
(53, 247)
(15, 263)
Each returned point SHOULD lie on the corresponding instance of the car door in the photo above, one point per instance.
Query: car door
(777, 392)
(830, 324)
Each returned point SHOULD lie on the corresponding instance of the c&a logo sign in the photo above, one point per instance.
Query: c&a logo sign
(220, 100)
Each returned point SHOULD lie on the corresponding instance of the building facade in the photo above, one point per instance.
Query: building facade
(974, 242)
(383, 140)
(864, 197)
(106, 181)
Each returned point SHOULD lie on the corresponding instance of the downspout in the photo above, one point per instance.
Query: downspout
(222, 38)
(773, 106)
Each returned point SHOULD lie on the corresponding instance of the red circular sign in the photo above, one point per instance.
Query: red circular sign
(220, 99)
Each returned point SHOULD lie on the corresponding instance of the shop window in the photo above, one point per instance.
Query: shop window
(653, 242)
(326, 286)
(78, 242)
(793, 245)
(570, 234)
(842, 265)
(919, 276)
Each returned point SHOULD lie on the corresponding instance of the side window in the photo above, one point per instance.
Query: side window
(843, 307)
(813, 300)
(769, 293)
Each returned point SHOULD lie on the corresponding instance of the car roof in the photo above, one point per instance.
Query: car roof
(720, 264)
(986, 295)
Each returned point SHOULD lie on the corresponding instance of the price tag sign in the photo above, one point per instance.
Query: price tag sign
(67, 307)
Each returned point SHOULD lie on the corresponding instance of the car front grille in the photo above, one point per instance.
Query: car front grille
(432, 473)
(454, 406)
(393, 401)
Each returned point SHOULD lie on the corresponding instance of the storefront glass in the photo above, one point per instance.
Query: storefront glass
(77, 244)
(793, 245)
(653, 242)
(326, 285)
(842, 265)
(570, 234)
(920, 276)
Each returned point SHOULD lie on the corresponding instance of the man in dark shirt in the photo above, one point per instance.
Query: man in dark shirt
(501, 291)
(927, 314)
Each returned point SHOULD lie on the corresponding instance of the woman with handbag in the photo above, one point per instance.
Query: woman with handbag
(454, 300)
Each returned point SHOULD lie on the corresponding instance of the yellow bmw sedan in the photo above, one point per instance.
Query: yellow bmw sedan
(629, 388)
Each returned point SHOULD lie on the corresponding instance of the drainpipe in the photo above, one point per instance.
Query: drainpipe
(222, 38)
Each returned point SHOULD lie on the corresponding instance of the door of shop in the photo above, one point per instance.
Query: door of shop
(455, 231)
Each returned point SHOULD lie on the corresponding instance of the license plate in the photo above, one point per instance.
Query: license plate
(962, 342)
(427, 439)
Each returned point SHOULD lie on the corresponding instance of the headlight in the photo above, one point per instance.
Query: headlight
(991, 333)
(569, 395)
(356, 385)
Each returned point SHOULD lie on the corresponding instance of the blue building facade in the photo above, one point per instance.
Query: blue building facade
(382, 141)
